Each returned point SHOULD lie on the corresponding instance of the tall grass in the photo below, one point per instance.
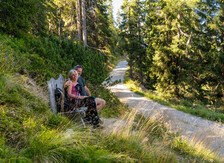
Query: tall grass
(39, 136)
(193, 149)
(145, 140)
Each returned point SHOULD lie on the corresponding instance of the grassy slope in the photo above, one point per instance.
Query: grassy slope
(30, 133)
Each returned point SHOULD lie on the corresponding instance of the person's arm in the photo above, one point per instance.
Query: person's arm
(87, 90)
(67, 84)
(72, 95)
(70, 91)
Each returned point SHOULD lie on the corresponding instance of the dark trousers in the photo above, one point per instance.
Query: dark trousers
(91, 112)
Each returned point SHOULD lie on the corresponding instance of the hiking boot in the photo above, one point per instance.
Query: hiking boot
(88, 120)
(98, 126)
(95, 120)
(100, 121)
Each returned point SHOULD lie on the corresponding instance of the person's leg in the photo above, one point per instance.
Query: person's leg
(91, 113)
(100, 103)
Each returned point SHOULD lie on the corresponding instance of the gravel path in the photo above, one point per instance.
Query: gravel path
(189, 127)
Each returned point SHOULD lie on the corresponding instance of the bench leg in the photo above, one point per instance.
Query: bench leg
(84, 125)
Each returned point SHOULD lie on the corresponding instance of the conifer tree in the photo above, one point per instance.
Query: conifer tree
(220, 40)
(131, 32)
(217, 86)
(79, 28)
(20, 17)
(205, 52)
(169, 47)
(99, 25)
(136, 42)
(125, 32)
(150, 11)
(84, 31)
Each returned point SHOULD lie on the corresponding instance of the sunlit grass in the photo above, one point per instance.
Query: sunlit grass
(193, 148)
(137, 141)
(145, 140)
(36, 135)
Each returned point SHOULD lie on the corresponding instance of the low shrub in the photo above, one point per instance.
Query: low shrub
(43, 58)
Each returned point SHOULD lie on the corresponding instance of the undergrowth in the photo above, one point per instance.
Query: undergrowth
(44, 58)
(29, 132)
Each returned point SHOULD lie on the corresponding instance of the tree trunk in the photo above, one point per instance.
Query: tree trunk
(84, 34)
(60, 24)
(131, 69)
(141, 76)
(79, 20)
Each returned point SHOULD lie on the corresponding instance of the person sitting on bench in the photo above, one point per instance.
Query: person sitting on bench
(86, 92)
(74, 89)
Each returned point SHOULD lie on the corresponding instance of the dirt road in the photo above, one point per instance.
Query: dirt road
(190, 127)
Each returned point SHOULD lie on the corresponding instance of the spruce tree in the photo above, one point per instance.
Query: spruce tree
(21, 17)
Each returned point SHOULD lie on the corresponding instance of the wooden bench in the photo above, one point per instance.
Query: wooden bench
(59, 83)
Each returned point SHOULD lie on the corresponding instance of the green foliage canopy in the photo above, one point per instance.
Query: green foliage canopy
(21, 17)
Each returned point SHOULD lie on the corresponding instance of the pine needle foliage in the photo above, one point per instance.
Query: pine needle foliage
(175, 47)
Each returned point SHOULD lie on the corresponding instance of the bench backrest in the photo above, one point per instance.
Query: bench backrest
(52, 85)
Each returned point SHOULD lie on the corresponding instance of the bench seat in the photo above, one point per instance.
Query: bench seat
(59, 83)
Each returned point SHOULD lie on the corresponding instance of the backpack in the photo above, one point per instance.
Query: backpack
(59, 98)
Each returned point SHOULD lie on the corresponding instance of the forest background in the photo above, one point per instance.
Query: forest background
(174, 48)
(164, 41)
